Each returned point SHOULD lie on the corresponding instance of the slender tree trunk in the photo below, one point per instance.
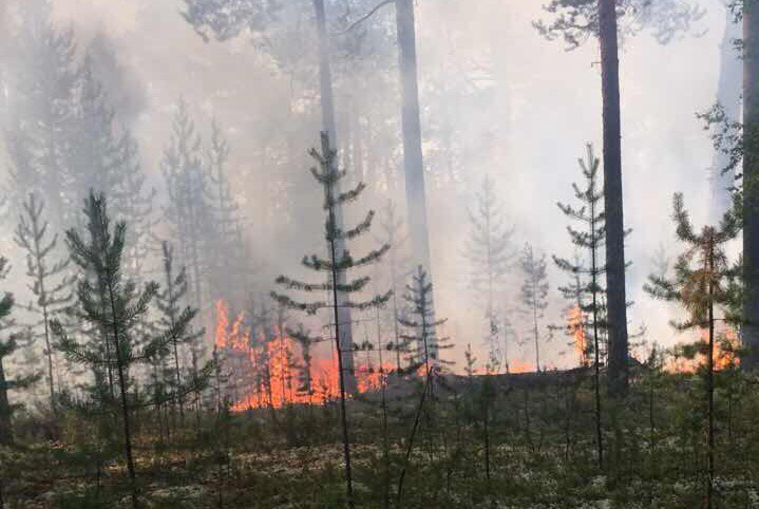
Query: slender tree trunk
(492, 322)
(178, 375)
(710, 381)
(6, 430)
(507, 368)
(615, 229)
(124, 402)
(175, 346)
(396, 315)
(330, 192)
(537, 338)
(385, 429)
(596, 346)
(328, 126)
(43, 302)
(535, 322)
(412, 436)
(284, 368)
(413, 160)
(750, 328)
(653, 466)
(49, 354)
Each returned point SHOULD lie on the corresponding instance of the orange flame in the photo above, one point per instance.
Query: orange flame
(725, 355)
(576, 327)
(516, 367)
(271, 373)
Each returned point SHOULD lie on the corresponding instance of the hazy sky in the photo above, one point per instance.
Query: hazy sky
(543, 104)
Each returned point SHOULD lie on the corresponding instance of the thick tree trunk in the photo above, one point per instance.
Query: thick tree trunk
(329, 127)
(729, 96)
(6, 431)
(750, 330)
(615, 230)
(413, 160)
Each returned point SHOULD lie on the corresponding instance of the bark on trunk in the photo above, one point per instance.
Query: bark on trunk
(329, 127)
(750, 329)
(615, 230)
(6, 431)
(413, 160)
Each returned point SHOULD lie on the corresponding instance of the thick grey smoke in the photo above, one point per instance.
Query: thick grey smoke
(497, 99)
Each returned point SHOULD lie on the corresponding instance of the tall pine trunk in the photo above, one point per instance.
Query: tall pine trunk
(710, 380)
(615, 230)
(329, 127)
(750, 330)
(413, 160)
(6, 431)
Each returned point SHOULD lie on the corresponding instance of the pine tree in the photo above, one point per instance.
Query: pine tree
(133, 201)
(425, 352)
(413, 158)
(93, 153)
(337, 270)
(421, 326)
(534, 292)
(41, 83)
(306, 343)
(127, 92)
(396, 264)
(114, 307)
(175, 320)
(228, 268)
(490, 252)
(577, 21)
(7, 347)
(587, 290)
(749, 143)
(187, 211)
(50, 282)
(702, 276)
(261, 337)
(10, 344)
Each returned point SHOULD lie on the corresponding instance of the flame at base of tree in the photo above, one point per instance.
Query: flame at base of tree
(517, 367)
(689, 358)
(268, 370)
(576, 329)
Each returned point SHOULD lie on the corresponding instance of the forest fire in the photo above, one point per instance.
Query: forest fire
(517, 367)
(576, 328)
(269, 369)
(725, 354)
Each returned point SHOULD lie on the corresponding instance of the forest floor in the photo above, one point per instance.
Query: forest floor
(530, 446)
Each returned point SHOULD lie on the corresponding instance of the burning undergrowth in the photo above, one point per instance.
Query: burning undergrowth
(269, 368)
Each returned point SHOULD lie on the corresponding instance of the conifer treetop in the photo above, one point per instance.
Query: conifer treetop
(328, 175)
(702, 266)
(575, 21)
